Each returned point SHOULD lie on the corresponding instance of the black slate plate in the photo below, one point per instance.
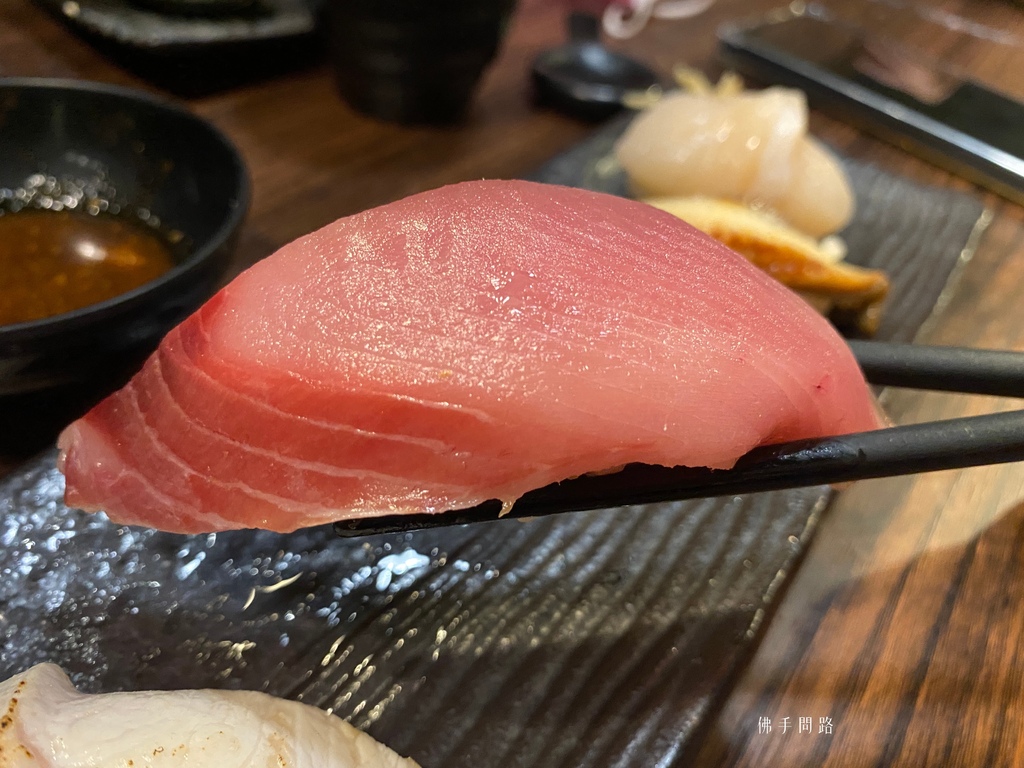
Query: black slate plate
(595, 639)
(197, 52)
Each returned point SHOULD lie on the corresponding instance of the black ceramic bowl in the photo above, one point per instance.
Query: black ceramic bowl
(413, 61)
(146, 155)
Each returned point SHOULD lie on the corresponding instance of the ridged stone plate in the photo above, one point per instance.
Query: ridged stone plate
(596, 639)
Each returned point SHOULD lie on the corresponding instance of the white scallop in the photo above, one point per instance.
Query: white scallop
(749, 147)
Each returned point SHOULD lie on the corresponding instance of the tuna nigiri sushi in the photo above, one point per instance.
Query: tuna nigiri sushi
(46, 723)
(465, 344)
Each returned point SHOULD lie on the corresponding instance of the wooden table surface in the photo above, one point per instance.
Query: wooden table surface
(905, 625)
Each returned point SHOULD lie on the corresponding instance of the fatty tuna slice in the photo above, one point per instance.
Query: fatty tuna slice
(469, 343)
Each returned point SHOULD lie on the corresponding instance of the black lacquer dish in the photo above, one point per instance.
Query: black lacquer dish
(196, 46)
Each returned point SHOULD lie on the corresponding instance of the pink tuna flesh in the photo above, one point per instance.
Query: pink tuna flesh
(464, 344)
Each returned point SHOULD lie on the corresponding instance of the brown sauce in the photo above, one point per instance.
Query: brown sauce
(54, 262)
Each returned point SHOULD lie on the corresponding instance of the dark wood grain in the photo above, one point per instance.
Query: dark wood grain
(904, 624)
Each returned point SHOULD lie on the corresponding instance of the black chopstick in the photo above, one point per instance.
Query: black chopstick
(964, 442)
(945, 369)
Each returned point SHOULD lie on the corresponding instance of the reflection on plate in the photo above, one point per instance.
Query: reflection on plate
(601, 638)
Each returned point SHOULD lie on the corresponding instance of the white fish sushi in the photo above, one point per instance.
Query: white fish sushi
(46, 723)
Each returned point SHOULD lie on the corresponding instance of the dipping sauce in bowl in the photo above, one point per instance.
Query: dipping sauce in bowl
(119, 215)
(58, 261)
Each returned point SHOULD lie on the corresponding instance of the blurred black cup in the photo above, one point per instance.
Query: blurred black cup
(413, 61)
